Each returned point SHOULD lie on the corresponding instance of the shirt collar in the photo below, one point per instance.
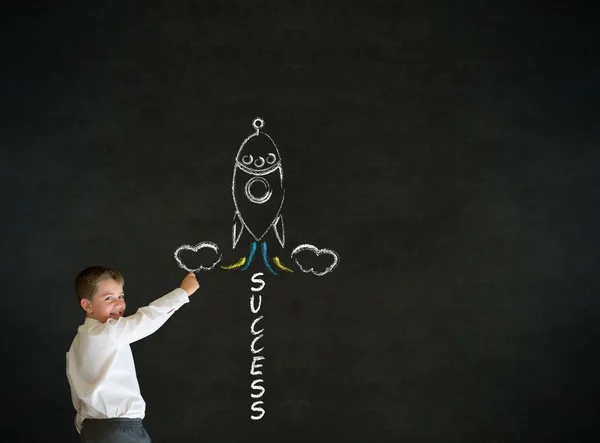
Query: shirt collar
(89, 321)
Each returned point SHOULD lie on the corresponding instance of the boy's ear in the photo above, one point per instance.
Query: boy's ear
(86, 305)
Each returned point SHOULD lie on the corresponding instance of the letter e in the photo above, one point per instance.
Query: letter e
(255, 366)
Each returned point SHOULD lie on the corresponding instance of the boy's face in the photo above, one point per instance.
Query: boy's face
(108, 301)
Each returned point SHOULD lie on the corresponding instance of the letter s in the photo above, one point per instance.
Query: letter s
(260, 281)
(255, 385)
(257, 408)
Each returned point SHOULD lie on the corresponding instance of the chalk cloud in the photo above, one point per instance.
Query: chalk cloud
(200, 246)
(335, 258)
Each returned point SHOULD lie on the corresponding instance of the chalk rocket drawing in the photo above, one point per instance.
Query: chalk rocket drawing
(258, 194)
(257, 187)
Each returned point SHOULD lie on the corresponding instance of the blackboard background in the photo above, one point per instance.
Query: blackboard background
(447, 152)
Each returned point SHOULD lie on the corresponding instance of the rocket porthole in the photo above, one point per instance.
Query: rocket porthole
(247, 159)
(259, 162)
(271, 158)
(257, 190)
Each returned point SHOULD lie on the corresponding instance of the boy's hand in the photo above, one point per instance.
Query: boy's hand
(190, 284)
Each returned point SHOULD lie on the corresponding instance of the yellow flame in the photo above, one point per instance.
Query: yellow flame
(239, 264)
(280, 266)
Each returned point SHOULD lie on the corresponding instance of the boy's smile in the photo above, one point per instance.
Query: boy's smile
(108, 302)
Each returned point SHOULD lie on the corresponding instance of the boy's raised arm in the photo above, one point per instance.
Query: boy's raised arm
(149, 318)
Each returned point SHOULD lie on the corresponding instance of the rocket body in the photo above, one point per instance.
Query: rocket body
(257, 188)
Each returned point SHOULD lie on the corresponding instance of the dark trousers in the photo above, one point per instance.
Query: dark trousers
(114, 430)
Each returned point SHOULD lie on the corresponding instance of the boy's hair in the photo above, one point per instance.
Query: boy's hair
(86, 282)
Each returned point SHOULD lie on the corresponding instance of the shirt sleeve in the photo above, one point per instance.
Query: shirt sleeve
(147, 319)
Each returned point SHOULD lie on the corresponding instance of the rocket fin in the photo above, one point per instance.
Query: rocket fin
(238, 228)
(279, 230)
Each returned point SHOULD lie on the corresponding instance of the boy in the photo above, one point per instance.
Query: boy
(100, 366)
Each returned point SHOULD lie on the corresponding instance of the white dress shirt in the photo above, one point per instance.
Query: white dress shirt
(100, 366)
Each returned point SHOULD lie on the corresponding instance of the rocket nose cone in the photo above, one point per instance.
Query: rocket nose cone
(258, 152)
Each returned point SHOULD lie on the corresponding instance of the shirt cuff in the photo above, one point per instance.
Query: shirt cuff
(181, 295)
